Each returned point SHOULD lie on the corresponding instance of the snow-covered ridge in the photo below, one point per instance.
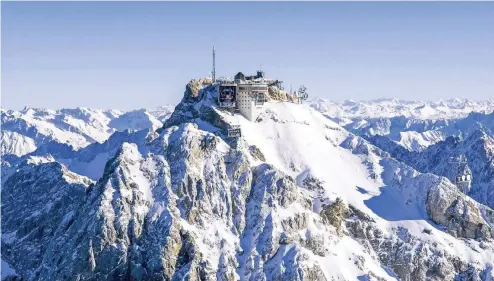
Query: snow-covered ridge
(296, 197)
(26, 130)
(413, 125)
(441, 109)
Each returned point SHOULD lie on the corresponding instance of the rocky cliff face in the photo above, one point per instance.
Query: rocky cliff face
(188, 203)
(26, 130)
(412, 125)
(146, 217)
(444, 203)
(275, 94)
(38, 202)
(477, 150)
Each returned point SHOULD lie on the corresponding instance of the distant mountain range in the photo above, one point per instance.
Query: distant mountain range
(26, 130)
(406, 123)
(427, 141)
(387, 108)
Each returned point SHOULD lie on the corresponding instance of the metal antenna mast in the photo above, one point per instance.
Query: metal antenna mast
(214, 66)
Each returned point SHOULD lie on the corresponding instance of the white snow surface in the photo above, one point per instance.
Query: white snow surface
(299, 140)
(17, 144)
(416, 141)
(441, 109)
(24, 131)
(6, 270)
(415, 125)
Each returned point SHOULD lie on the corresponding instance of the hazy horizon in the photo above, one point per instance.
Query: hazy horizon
(128, 55)
(157, 106)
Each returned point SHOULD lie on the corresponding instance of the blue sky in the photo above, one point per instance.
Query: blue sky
(133, 55)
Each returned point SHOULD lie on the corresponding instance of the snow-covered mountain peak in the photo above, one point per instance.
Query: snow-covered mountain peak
(26, 130)
(295, 197)
(441, 109)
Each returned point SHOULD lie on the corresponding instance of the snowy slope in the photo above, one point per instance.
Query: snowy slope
(24, 131)
(300, 141)
(387, 108)
(17, 144)
(297, 197)
(161, 112)
(416, 141)
(6, 270)
(407, 123)
(477, 150)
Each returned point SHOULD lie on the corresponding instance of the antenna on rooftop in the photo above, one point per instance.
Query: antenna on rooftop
(260, 73)
(214, 66)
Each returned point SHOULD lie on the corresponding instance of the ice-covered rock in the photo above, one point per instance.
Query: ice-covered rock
(26, 130)
(297, 197)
